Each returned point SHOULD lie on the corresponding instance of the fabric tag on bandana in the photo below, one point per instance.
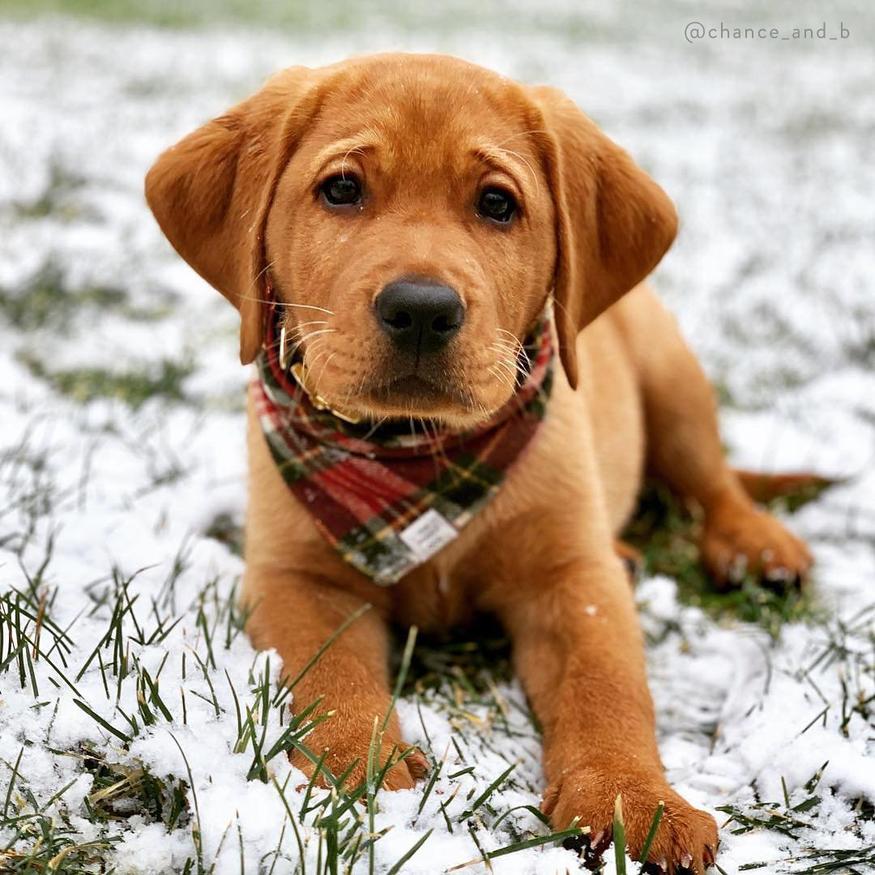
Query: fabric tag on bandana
(428, 534)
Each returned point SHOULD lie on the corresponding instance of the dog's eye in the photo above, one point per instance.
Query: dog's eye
(497, 204)
(342, 191)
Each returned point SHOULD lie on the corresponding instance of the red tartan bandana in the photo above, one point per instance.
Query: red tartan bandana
(389, 498)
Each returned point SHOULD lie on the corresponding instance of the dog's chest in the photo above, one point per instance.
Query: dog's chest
(435, 596)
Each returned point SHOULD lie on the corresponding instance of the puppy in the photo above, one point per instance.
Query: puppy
(461, 380)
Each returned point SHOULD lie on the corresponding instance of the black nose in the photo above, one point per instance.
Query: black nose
(419, 316)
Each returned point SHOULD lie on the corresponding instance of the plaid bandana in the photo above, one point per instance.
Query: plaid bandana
(388, 498)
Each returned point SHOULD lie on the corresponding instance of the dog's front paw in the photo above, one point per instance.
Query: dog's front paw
(345, 745)
(735, 544)
(685, 841)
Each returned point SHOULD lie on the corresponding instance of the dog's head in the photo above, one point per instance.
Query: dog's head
(413, 213)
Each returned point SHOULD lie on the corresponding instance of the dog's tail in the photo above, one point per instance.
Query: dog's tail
(799, 487)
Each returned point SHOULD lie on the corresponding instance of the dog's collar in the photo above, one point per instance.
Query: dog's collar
(388, 497)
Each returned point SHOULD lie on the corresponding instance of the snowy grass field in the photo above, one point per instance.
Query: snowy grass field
(139, 731)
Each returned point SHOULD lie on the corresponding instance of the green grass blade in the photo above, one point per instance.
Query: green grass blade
(651, 833)
(397, 867)
(402, 674)
(12, 782)
(292, 820)
(619, 837)
(484, 796)
(196, 832)
(105, 724)
(534, 842)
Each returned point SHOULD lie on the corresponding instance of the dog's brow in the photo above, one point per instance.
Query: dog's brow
(507, 161)
(342, 149)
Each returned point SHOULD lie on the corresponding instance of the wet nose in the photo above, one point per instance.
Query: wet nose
(419, 316)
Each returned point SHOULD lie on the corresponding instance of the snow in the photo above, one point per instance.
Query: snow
(767, 150)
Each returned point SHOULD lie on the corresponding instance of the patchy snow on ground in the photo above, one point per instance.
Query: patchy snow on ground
(122, 459)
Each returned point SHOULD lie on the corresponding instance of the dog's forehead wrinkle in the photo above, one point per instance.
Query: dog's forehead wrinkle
(417, 118)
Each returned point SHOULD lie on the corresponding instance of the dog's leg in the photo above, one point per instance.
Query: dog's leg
(579, 653)
(350, 679)
(684, 450)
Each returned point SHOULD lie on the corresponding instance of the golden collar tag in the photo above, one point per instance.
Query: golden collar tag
(298, 371)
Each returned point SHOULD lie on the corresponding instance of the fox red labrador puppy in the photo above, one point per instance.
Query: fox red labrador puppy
(461, 380)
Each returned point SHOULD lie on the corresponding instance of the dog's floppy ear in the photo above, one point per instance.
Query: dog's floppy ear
(212, 191)
(614, 223)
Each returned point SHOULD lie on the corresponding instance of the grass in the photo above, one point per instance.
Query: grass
(467, 660)
(296, 13)
(301, 16)
(227, 530)
(40, 835)
(666, 533)
(797, 820)
(48, 301)
(47, 304)
(57, 199)
(133, 387)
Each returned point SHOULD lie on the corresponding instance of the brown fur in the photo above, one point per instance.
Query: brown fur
(238, 197)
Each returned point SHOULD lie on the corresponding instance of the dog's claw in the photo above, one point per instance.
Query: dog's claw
(417, 763)
(576, 843)
(591, 848)
(651, 868)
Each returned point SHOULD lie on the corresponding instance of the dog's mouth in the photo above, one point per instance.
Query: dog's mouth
(438, 391)
(415, 393)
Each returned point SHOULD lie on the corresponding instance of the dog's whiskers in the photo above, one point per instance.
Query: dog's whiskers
(314, 352)
(299, 325)
(292, 348)
(500, 376)
(508, 367)
(307, 307)
(376, 425)
(288, 304)
(260, 274)
(518, 347)
(307, 337)
(505, 346)
(438, 447)
(324, 367)
(509, 364)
